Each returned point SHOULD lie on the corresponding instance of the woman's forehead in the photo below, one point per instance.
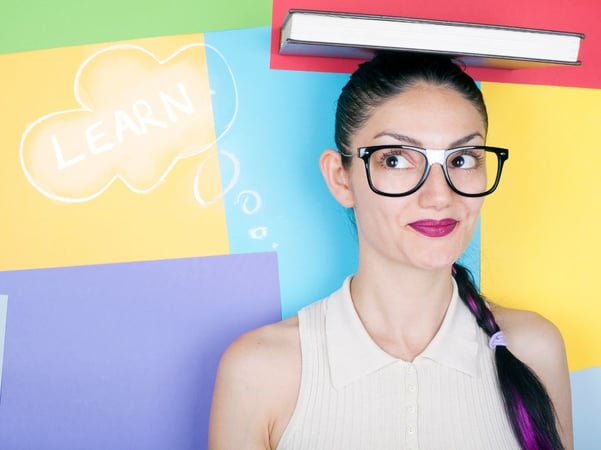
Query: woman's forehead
(423, 111)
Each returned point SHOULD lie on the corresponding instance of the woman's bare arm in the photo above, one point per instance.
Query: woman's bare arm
(256, 389)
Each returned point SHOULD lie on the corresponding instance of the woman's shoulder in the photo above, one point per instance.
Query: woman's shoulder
(256, 386)
(533, 339)
(264, 356)
(538, 343)
(259, 357)
(271, 350)
(265, 346)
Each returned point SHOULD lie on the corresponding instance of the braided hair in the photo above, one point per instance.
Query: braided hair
(527, 403)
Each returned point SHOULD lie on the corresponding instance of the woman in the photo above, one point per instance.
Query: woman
(406, 354)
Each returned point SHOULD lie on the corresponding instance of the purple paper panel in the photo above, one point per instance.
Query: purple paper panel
(123, 356)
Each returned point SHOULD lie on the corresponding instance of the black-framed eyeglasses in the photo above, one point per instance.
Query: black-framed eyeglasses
(399, 170)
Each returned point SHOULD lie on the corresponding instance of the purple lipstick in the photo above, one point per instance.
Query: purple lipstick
(434, 228)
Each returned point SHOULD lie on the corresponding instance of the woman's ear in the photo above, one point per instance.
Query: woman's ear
(336, 177)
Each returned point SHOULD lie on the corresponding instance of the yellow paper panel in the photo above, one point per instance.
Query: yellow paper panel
(101, 148)
(541, 236)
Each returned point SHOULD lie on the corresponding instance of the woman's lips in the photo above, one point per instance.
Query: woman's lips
(434, 228)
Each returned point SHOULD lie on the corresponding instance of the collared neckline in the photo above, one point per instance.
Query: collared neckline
(352, 353)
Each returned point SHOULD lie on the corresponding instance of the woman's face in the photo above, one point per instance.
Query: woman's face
(430, 228)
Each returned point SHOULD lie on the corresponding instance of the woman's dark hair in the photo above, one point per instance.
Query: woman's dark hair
(527, 403)
(389, 74)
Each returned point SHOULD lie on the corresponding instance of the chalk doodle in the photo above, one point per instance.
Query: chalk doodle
(250, 203)
(204, 199)
(133, 128)
(258, 232)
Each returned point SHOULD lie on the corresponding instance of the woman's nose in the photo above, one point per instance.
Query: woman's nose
(435, 192)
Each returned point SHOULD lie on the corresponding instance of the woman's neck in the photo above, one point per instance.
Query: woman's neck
(402, 308)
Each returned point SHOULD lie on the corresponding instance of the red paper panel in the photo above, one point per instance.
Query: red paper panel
(582, 16)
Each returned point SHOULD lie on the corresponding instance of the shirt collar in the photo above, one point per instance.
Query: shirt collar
(352, 353)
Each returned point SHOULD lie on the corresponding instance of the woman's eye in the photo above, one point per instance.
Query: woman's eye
(465, 161)
(395, 162)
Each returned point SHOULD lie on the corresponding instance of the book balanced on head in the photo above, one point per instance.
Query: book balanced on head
(326, 33)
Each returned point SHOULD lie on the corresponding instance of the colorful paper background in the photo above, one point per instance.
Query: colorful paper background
(116, 356)
(123, 291)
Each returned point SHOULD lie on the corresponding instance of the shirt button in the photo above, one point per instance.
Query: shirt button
(411, 408)
(411, 387)
(411, 429)
(410, 369)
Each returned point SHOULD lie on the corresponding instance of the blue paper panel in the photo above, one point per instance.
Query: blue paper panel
(277, 199)
(123, 356)
(275, 196)
(586, 404)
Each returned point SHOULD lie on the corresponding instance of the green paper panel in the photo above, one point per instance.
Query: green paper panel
(40, 24)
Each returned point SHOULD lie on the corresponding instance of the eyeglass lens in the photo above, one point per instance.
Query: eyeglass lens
(397, 171)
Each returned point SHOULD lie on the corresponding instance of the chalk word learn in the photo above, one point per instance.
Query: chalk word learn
(134, 127)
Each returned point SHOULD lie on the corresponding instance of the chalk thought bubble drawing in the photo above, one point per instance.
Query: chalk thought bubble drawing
(138, 116)
(205, 199)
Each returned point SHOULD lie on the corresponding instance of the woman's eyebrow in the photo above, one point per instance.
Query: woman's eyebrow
(466, 139)
(412, 141)
(400, 138)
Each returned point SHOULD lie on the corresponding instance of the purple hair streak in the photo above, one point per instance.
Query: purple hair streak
(527, 403)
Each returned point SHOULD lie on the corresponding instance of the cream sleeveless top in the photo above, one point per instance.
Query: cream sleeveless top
(355, 396)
